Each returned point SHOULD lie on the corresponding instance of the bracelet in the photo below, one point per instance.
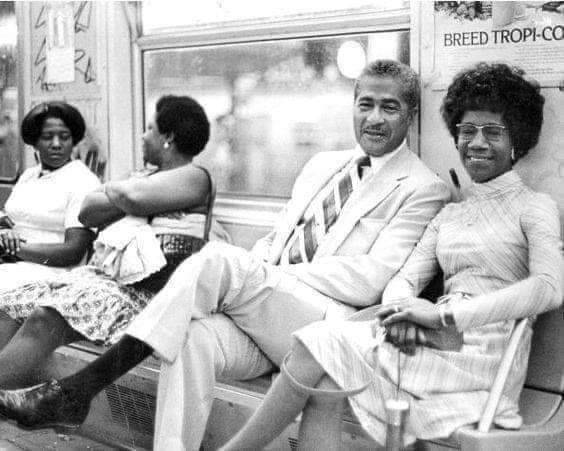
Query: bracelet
(442, 315)
(446, 315)
(105, 191)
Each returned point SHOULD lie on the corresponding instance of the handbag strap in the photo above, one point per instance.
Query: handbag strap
(209, 205)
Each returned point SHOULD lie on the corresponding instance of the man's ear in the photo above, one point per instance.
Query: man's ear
(412, 113)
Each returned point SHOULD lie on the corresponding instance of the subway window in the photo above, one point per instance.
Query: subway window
(156, 16)
(272, 103)
(9, 149)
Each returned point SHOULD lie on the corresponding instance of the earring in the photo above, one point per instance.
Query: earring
(513, 154)
(166, 145)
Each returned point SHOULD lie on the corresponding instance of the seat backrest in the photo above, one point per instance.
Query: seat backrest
(546, 360)
(90, 151)
(95, 163)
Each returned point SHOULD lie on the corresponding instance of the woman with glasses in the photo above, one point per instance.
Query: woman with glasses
(500, 255)
(40, 232)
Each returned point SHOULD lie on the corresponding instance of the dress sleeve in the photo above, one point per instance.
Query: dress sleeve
(82, 186)
(541, 291)
(420, 267)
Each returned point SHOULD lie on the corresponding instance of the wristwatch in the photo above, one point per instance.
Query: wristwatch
(446, 315)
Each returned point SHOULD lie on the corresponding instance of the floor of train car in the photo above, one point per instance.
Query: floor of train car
(122, 417)
(13, 438)
(65, 361)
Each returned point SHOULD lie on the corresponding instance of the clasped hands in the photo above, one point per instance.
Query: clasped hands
(411, 322)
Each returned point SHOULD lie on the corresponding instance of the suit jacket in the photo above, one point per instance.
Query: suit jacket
(375, 232)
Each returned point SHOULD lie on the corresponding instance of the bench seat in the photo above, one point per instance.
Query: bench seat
(124, 413)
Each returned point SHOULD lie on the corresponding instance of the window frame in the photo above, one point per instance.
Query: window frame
(248, 209)
(20, 62)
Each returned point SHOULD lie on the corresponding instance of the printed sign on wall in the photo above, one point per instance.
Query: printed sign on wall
(62, 32)
(526, 34)
(60, 43)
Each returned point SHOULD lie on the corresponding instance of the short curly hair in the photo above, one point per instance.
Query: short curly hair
(498, 88)
(32, 124)
(186, 119)
(405, 75)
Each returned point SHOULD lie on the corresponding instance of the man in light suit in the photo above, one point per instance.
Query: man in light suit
(229, 312)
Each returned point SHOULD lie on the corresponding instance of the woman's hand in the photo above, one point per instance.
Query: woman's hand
(407, 334)
(9, 242)
(414, 310)
(447, 339)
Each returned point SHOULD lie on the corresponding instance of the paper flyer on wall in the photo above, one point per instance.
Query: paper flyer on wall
(525, 34)
(60, 43)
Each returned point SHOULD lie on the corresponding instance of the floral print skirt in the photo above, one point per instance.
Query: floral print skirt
(93, 304)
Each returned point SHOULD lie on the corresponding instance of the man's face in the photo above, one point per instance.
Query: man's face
(381, 115)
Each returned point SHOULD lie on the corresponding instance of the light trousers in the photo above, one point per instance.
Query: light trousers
(215, 348)
(260, 299)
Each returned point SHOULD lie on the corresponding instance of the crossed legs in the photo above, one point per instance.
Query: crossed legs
(287, 397)
(216, 348)
(260, 299)
(27, 347)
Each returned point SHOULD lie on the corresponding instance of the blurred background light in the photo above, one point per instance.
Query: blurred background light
(351, 59)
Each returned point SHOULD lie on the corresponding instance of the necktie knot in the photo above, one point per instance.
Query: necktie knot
(364, 161)
(363, 164)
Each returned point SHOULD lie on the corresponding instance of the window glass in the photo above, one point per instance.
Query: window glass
(272, 105)
(157, 17)
(9, 152)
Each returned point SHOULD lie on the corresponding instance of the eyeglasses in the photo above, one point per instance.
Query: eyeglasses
(491, 132)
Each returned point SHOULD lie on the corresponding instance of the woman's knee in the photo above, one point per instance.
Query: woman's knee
(42, 321)
(300, 355)
(6, 321)
(302, 365)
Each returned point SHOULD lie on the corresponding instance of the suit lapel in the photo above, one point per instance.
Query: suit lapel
(367, 197)
(309, 189)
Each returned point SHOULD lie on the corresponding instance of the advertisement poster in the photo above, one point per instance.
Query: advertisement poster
(525, 34)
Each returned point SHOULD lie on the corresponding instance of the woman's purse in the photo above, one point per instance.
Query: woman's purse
(176, 247)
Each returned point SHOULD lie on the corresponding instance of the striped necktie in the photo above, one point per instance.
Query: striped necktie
(326, 207)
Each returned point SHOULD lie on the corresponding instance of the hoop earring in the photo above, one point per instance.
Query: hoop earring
(513, 154)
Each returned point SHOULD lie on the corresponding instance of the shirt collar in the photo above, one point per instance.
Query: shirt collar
(377, 163)
(508, 181)
(46, 173)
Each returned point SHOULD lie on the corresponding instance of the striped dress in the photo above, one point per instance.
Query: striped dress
(501, 248)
